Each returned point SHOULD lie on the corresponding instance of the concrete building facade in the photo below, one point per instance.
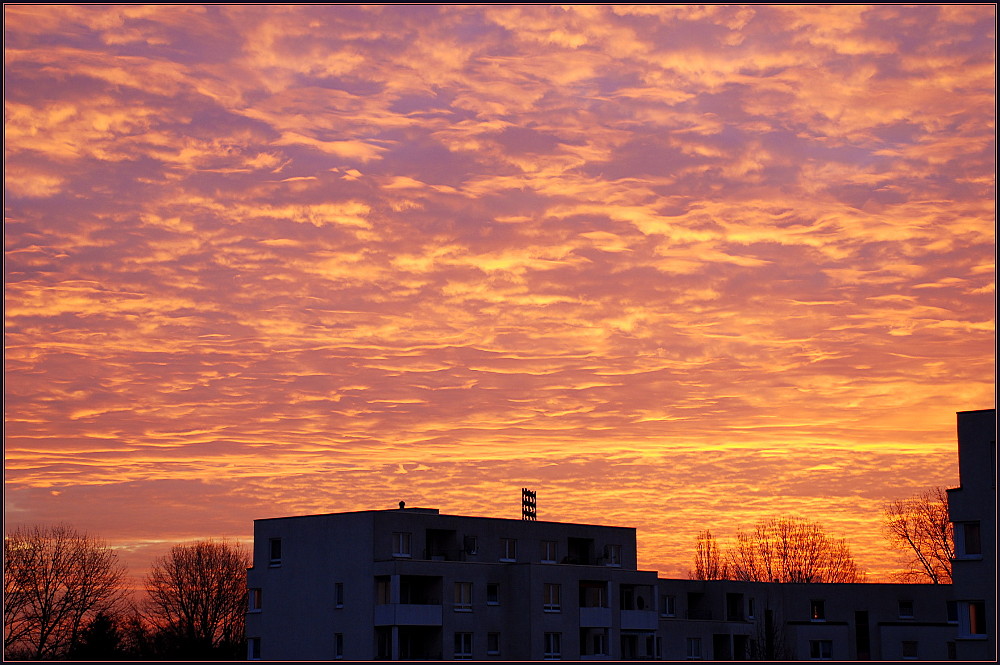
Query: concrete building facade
(972, 509)
(413, 584)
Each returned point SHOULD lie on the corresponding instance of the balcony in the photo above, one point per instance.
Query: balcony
(639, 620)
(402, 614)
(595, 617)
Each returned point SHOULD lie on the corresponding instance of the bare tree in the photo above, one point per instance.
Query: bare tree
(709, 564)
(197, 594)
(920, 526)
(55, 580)
(788, 549)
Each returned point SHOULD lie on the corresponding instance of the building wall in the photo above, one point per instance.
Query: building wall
(974, 503)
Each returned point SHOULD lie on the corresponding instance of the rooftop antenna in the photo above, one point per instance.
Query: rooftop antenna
(528, 505)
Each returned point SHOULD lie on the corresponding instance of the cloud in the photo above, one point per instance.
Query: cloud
(652, 259)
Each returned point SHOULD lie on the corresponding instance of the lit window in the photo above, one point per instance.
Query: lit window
(492, 593)
(553, 646)
(401, 544)
(493, 644)
(339, 594)
(463, 596)
(339, 645)
(817, 610)
(972, 617)
(463, 645)
(613, 555)
(548, 551)
(551, 601)
(255, 597)
(906, 609)
(821, 649)
(909, 650)
(253, 648)
(694, 648)
(508, 549)
(275, 551)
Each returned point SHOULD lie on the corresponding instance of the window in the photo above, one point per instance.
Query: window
(463, 596)
(600, 644)
(463, 645)
(751, 608)
(383, 588)
(492, 644)
(972, 617)
(275, 552)
(338, 593)
(952, 651)
(548, 551)
(821, 649)
(613, 555)
(694, 648)
(400, 544)
(967, 539)
(253, 648)
(906, 609)
(817, 610)
(254, 596)
(492, 593)
(553, 646)
(550, 598)
(508, 549)
(338, 645)
(471, 545)
(952, 611)
(668, 606)
(909, 650)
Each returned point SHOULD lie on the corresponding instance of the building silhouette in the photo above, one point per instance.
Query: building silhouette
(413, 584)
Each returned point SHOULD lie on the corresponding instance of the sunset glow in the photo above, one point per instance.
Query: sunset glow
(673, 267)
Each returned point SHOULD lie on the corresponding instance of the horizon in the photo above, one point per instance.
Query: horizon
(683, 267)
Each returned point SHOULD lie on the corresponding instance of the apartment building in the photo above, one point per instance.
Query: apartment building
(972, 508)
(413, 584)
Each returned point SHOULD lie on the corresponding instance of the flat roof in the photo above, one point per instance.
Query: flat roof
(436, 512)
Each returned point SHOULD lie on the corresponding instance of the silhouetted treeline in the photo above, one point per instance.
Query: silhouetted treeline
(65, 599)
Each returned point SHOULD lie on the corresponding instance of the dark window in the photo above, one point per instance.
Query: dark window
(952, 651)
(253, 648)
(909, 650)
(973, 546)
(463, 645)
(952, 611)
(493, 644)
(821, 649)
(339, 593)
(492, 593)
(553, 646)
(471, 545)
(906, 609)
(275, 551)
(339, 653)
(255, 596)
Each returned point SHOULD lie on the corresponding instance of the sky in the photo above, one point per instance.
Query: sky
(672, 267)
